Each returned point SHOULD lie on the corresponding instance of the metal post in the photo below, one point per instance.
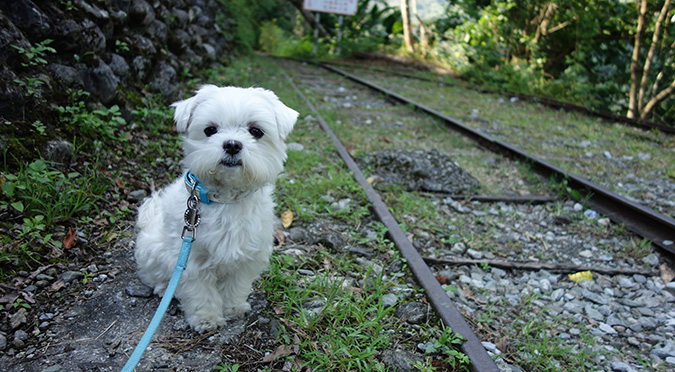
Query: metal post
(317, 17)
(339, 36)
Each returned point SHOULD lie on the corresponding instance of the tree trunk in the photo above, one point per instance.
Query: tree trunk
(407, 30)
(634, 63)
(650, 55)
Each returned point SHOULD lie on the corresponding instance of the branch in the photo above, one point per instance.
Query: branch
(650, 54)
(534, 266)
(657, 99)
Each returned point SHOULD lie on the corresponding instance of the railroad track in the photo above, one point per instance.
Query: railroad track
(647, 223)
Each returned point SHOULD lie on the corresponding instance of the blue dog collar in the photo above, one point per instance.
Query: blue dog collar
(207, 196)
(191, 181)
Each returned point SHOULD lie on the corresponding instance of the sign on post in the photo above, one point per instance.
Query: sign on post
(345, 7)
(341, 7)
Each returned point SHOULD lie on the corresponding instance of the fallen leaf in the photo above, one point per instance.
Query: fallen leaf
(581, 276)
(442, 279)
(286, 219)
(119, 184)
(57, 285)
(281, 351)
(279, 235)
(667, 274)
(69, 240)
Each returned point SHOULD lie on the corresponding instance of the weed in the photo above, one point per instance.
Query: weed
(39, 190)
(19, 302)
(35, 56)
(87, 277)
(39, 127)
(121, 46)
(31, 85)
(96, 123)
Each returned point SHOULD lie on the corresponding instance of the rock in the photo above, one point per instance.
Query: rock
(458, 249)
(165, 81)
(341, 205)
(591, 214)
(400, 360)
(119, 67)
(476, 255)
(412, 312)
(29, 18)
(651, 259)
(59, 151)
(68, 75)
(420, 170)
(621, 367)
(69, 276)
(389, 300)
(489, 346)
(21, 335)
(294, 146)
(137, 195)
(140, 12)
(138, 290)
(668, 350)
(298, 234)
(3, 342)
(54, 368)
(102, 82)
(18, 319)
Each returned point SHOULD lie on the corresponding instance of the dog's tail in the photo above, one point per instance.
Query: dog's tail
(148, 212)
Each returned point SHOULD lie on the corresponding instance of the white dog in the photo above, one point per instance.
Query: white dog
(234, 148)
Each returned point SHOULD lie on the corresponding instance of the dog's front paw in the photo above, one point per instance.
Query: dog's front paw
(207, 325)
(237, 310)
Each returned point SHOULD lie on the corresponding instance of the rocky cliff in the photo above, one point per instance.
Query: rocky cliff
(113, 49)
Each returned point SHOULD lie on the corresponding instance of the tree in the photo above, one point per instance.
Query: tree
(407, 30)
(637, 107)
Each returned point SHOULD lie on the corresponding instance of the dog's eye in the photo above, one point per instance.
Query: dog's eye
(210, 130)
(256, 132)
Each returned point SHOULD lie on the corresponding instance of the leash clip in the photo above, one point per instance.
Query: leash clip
(192, 217)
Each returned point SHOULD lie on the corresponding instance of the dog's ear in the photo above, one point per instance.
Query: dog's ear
(285, 116)
(186, 107)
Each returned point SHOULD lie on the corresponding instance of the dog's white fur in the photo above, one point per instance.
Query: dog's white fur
(234, 240)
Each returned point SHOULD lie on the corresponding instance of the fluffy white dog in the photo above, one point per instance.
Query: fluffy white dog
(234, 148)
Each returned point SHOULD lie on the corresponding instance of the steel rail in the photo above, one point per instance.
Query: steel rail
(435, 294)
(550, 102)
(644, 221)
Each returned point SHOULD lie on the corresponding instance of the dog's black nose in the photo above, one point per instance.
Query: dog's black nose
(232, 147)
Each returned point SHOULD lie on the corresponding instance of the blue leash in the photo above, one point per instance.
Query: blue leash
(163, 305)
(192, 219)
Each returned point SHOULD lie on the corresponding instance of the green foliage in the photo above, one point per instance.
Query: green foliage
(35, 56)
(571, 50)
(31, 85)
(46, 194)
(96, 124)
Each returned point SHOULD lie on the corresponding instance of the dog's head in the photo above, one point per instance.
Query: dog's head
(234, 137)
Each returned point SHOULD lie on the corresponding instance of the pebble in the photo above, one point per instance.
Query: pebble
(69, 276)
(17, 319)
(294, 146)
(138, 290)
(137, 195)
